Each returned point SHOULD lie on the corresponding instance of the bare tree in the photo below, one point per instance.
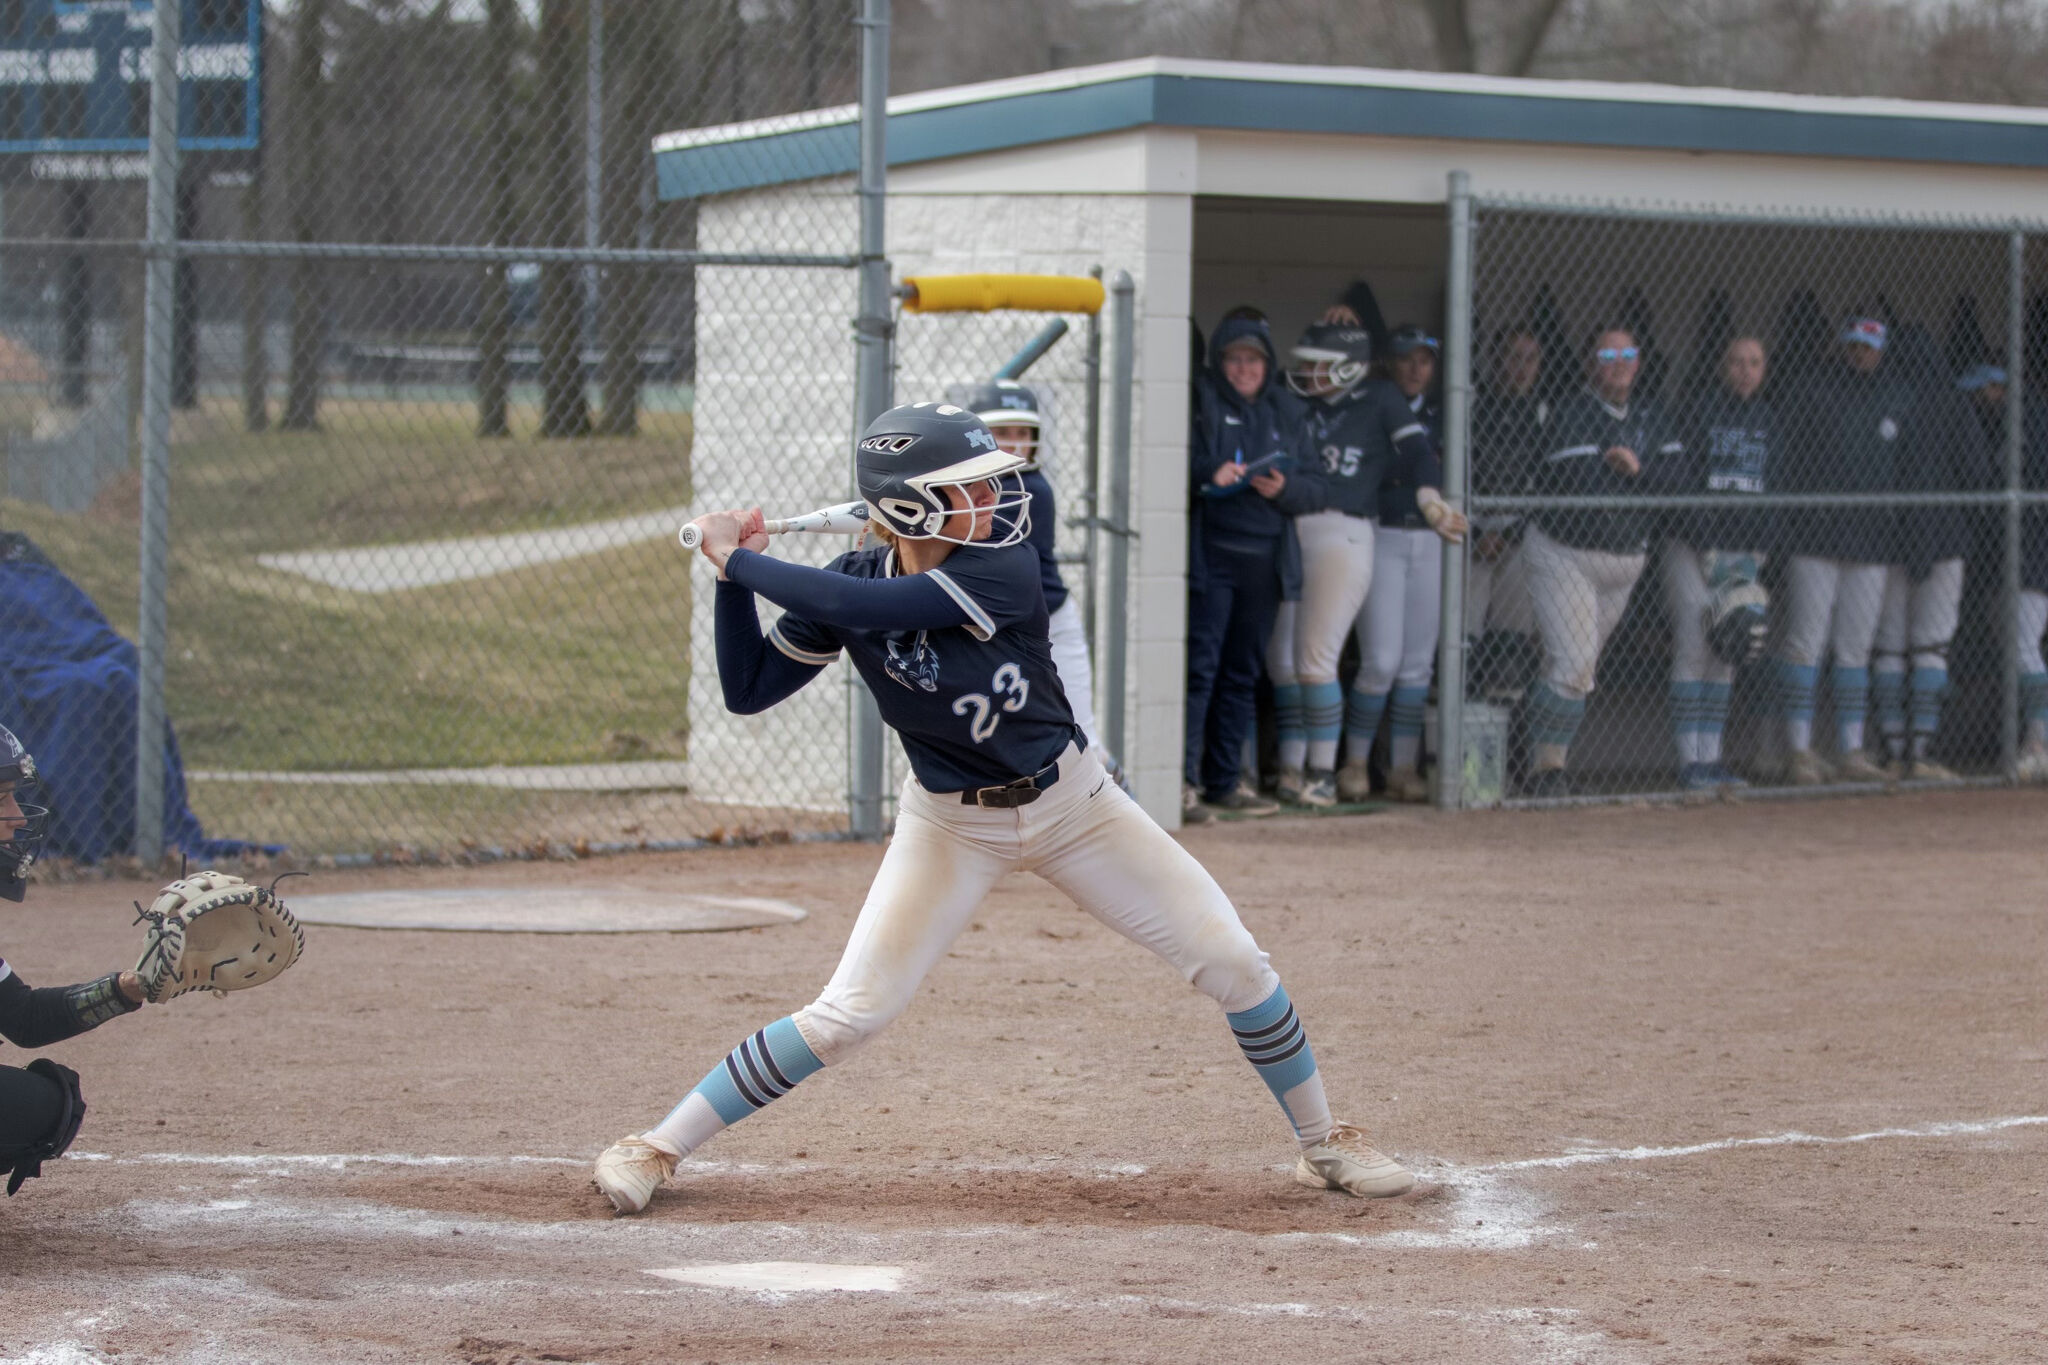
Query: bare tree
(493, 370)
(558, 149)
(308, 177)
(639, 33)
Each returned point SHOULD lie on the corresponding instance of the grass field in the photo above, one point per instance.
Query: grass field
(579, 661)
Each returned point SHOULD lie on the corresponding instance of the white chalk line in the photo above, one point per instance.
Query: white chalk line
(1957, 1128)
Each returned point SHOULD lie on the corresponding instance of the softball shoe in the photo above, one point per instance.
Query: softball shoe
(1192, 811)
(1805, 768)
(2033, 762)
(1859, 766)
(1406, 784)
(1320, 790)
(1291, 783)
(1346, 1161)
(1354, 781)
(1927, 770)
(632, 1169)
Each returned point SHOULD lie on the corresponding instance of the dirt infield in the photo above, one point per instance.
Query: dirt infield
(1759, 1083)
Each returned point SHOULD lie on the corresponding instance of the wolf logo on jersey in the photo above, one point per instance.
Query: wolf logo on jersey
(917, 669)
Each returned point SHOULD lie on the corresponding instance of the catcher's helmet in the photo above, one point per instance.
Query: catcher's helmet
(24, 816)
(1738, 610)
(1329, 361)
(1007, 403)
(910, 455)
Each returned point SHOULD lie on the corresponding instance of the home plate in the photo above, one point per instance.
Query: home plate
(789, 1276)
(545, 910)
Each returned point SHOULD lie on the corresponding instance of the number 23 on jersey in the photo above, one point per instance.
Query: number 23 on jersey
(1009, 685)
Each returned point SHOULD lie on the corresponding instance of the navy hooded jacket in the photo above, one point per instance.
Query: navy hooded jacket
(1226, 428)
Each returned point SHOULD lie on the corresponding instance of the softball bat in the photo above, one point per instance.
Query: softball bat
(846, 519)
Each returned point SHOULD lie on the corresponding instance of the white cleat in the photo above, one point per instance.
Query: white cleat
(632, 1169)
(1346, 1161)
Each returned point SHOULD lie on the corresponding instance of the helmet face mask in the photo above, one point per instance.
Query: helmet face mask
(21, 787)
(1329, 361)
(910, 456)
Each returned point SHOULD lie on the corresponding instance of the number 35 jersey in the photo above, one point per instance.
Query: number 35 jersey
(977, 705)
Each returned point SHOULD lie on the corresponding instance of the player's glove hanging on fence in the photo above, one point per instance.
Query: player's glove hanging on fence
(211, 931)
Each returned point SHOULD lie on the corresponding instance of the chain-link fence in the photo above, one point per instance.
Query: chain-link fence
(1747, 505)
(443, 376)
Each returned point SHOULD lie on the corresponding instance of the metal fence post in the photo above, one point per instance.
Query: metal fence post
(872, 382)
(1450, 668)
(1116, 633)
(1091, 496)
(159, 284)
(2015, 448)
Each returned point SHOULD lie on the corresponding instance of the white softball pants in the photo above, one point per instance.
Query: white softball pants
(1497, 594)
(1085, 837)
(1831, 603)
(1397, 630)
(2033, 625)
(1920, 618)
(1070, 660)
(1337, 573)
(1579, 597)
(1686, 598)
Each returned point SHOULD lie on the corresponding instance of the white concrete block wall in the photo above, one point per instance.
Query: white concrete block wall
(774, 403)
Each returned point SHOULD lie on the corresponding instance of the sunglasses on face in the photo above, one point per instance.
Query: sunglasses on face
(1607, 355)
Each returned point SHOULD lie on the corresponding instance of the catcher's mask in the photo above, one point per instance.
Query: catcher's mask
(24, 816)
(910, 455)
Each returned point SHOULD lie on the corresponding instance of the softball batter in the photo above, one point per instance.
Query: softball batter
(946, 623)
(1365, 432)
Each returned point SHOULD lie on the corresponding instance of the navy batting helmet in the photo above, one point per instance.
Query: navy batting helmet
(24, 816)
(1329, 361)
(910, 455)
(1007, 403)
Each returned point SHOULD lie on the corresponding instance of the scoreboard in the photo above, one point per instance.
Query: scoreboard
(74, 83)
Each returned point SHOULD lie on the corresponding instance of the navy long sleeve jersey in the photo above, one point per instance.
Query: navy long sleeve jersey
(1730, 446)
(1397, 505)
(1366, 438)
(957, 656)
(1575, 464)
(1843, 436)
(1044, 525)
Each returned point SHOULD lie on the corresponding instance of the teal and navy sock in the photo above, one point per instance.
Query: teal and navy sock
(1796, 684)
(1323, 706)
(1852, 706)
(1362, 712)
(1554, 719)
(2034, 702)
(1404, 721)
(1685, 720)
(1273, 1041)
(1930, 686)
(762, 1069)
(1291, 724)
(1713, 719)
(1888, 703)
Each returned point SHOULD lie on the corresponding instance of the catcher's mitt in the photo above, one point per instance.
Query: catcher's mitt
(214, 932)
(1737, 612)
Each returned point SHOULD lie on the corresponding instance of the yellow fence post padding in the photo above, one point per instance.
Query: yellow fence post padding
(987, 293)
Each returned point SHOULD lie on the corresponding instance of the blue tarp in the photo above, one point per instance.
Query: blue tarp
(67, 689)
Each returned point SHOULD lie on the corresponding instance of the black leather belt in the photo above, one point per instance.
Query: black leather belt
(1022, 792)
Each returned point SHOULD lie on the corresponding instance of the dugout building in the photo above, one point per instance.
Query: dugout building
(1218, 183)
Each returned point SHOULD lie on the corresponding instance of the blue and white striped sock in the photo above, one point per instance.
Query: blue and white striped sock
(763, 1068)
(1888, 703)
(1362, 712)
(1713, 719)
(1930, 686)
(1685, 720)
(1404, 720)
(2034, 703)
(1323, 705)
(1274, 1042)
(1554, 719)
(1852, 706)
(1290, 722)
(1796, 685)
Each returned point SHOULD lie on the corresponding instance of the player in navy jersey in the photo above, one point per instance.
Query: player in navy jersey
(946, 622)
(1364, 434)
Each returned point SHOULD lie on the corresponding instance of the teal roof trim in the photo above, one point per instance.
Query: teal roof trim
(1025, 119)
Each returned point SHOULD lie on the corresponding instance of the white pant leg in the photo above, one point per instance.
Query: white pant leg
(1567, 607)
(1479, 579)
(1893, 612)
(1381, 625)
(1936, 609)
(1859, 606)
(1811, 586)
(1511, 608)
(1686, 598)
(1280, 645)
(1069, 635)
(938, 868)
(1337, 574)
(1097, 845)
(2033, 614)
(1421, 605)
(1614, 579)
